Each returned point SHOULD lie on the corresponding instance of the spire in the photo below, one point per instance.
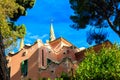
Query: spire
(52, 35)
(21, 43)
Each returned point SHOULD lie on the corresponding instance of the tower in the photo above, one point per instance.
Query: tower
(52, 35)
(21, 43)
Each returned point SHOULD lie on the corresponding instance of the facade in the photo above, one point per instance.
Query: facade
(49, 60)
(41, 60)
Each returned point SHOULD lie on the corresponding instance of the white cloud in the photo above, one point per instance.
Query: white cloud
(28, 41)
(34, 37)
(43, 36)
(28, 33)
(29, 36)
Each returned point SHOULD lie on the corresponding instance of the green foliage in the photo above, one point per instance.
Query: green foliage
(96, 13)
(21, 31)
(104, 65)
(10, 11)
(15, 32)
(87, 10)
(6, 7)
(65, 76)
(21, 7)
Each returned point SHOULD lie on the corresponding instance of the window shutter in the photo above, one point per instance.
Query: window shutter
(24, 67)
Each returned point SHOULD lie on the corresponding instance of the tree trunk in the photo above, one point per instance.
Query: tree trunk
(4, 75)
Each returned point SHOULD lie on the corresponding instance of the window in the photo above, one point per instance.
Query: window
(64, 53)
(24, 68)
(9, 71)
(42, 57)
(68, 51)
(49, 51)
(52, 71)
(24, 54)
(48, 61)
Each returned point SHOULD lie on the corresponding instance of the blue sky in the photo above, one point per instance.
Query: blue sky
(38, 19)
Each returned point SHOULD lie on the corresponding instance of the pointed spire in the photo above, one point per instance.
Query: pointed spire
(52, 35)
(21, 43)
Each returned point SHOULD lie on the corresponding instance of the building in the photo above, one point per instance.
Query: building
(41, 60)
(48, 60)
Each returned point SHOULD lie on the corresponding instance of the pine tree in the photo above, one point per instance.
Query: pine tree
(10, 11)
(99, 14)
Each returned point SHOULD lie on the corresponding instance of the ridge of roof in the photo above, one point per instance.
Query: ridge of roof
(80, 55)
(107, 41)
(101, 44)
(9, 54)
(61, 38)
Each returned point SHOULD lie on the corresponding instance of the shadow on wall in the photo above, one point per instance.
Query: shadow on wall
(32, 68)
(16, 76)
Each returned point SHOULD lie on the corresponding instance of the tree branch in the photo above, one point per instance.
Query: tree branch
(113, 28)
(108, 20)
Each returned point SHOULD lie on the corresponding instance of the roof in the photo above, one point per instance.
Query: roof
(59, 43)
(56, 44)
(80, 55)
(59, 40)
(106, 44)
(26, 46)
